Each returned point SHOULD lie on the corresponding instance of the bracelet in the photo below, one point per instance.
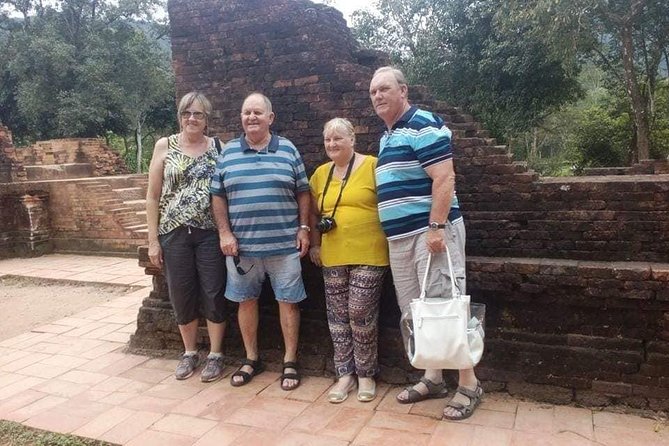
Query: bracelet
(305, 227)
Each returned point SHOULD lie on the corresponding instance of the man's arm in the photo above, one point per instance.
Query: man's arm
(443, 188)
(303, 206)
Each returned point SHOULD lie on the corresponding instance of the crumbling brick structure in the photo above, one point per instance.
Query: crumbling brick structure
(573, 270)
(49, 200)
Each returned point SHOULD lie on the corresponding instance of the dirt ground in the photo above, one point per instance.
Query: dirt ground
(26, 303)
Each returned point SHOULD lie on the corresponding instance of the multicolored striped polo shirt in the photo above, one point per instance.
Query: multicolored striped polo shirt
(419, 139)
(261, 189)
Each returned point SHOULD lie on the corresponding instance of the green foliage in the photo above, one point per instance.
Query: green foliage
(628, 40)
(83, 68)
(516, 65)
(463, 51)
(14, 434)
(659, 127)
(602, 140)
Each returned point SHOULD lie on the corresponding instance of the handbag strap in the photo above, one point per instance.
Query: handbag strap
(427, 271)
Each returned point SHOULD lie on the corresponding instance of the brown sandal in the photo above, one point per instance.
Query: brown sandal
(434, 390)
(465, 411)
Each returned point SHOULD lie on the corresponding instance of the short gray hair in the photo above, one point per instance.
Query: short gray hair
(268, 103)
(397, 73)
(342, 125)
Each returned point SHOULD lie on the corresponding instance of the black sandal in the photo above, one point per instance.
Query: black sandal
(257, 367)
(284, 376)
(465, 411)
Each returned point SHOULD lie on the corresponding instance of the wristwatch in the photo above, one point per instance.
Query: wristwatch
(305, 227)
(434, 225)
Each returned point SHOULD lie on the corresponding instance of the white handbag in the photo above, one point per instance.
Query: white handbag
(445, 335)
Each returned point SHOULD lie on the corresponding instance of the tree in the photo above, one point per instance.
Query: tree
(627, 38)
(465, 51)
(82, 68)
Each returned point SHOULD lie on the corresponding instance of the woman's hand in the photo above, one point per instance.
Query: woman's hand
(315, 255)
(228, 243)
(156, 254)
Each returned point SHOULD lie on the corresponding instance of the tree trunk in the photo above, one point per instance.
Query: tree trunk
(138, 140)
(639, 106)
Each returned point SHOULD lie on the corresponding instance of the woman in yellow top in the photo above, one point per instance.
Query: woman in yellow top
(348, 242)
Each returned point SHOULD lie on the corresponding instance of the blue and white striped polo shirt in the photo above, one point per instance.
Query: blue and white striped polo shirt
(261, 189)
(419, 139)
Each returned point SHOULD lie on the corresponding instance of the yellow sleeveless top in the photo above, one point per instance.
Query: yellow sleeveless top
(358, 238)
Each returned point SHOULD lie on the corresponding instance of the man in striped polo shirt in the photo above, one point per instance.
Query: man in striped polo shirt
(419, 213)
(260, 202)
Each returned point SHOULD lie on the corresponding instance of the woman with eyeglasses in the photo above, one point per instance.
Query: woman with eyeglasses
(348, 242)
(183, 240)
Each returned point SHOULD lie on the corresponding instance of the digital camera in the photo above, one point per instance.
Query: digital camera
(326, 224)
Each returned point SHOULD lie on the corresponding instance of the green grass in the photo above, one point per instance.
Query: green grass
(15, 434)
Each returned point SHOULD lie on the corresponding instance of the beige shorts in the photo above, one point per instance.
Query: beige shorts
(408, 259)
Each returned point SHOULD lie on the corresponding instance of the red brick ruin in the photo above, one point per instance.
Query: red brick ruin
(72, 190)
(573, 271)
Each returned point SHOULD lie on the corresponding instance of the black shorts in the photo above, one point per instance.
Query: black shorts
(195, 272)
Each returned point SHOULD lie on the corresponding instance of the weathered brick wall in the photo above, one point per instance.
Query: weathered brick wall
(11, 163)
(57, 152)
(622, 218)
(24, 223)
(79, 219)
(298, 53)
(573, 271)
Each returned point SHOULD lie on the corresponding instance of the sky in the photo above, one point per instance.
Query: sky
(347, 7)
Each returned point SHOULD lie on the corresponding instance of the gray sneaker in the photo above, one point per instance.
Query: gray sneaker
(187, 366)
(213, 370)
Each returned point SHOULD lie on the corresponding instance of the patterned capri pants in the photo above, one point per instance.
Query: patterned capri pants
(352, 295)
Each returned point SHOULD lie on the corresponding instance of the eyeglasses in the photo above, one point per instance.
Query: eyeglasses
(196, 115)
(239, 269)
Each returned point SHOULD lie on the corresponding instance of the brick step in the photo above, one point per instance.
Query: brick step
(482, 151)
(130, 193)
(464, 125)
(472, 141)
(58, 171)
(97, 186)
(137, 227)
(123, 210)
(111, 202)
(122, 181)
(137, 205)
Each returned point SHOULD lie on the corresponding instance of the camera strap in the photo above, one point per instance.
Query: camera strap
(343, 184)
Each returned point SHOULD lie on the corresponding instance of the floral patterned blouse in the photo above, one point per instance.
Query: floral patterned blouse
(184, 199)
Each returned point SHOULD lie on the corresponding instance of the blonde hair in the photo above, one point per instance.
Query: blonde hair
(188, 99)
(340, 125)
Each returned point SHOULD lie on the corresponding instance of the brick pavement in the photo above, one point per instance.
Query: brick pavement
(72, 376)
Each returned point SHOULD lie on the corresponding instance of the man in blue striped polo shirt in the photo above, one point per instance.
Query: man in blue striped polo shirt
(260, 202)
(419, 213)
